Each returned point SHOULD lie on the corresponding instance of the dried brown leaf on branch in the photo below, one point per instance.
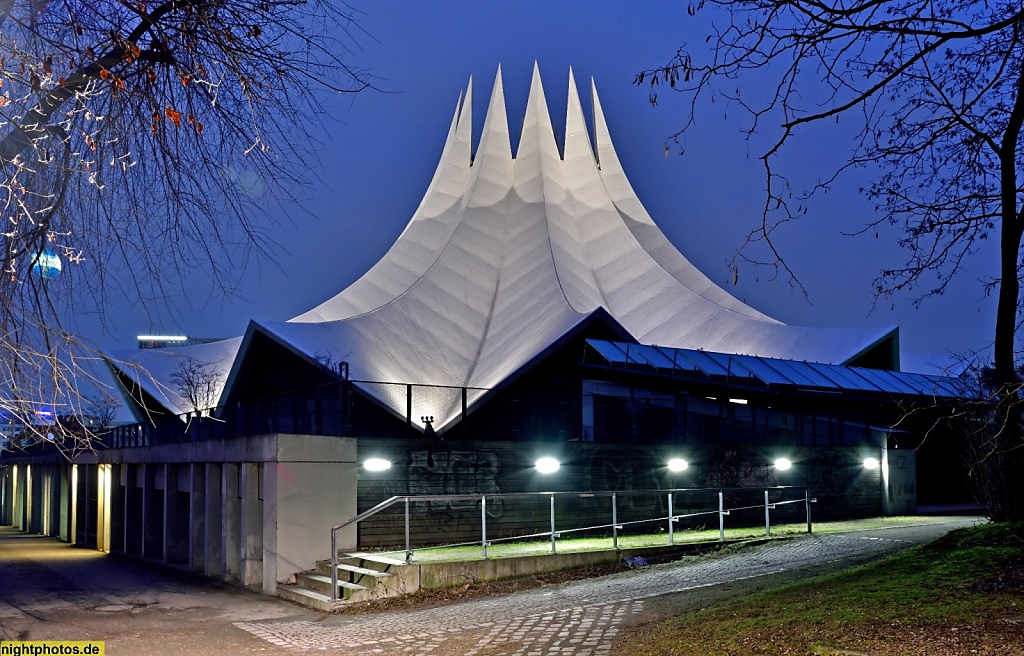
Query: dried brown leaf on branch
(87, 84)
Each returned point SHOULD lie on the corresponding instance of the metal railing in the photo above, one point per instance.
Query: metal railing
(671, 518)
(352, 408)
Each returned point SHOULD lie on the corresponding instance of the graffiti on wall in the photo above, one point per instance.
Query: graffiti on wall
(615, 470)
(735, 469)
(454, 471)
(837, 476)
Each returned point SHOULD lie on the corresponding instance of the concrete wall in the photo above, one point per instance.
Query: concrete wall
(834, 475)
(252, 511)
(899, 478)
(311, 488)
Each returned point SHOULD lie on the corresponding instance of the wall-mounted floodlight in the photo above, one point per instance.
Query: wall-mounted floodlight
(677, 464)
(547, 465)
(782, 464)
(871, 463)
(738, 401)
(376, 464)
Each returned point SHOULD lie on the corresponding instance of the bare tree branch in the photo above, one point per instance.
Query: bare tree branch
(142, 141)
(936, 90)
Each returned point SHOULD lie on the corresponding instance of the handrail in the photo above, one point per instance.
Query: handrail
(615, 525)
(354, 520)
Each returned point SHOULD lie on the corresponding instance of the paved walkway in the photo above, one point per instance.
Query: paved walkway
(51, 591)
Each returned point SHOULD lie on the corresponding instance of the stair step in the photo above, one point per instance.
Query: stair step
(327, 581)
(362, 570)
(306, 597)
(384, 560)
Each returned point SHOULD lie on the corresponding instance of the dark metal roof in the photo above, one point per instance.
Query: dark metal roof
(773, 372)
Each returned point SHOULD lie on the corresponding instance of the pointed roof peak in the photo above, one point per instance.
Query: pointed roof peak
(468, 95)
(538, 134)
(577, 141)
(494, 140)
(602, 139)
(462, 144)
(537, 96)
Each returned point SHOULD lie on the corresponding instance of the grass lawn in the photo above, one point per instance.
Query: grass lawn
(634, 539)
(963, 594)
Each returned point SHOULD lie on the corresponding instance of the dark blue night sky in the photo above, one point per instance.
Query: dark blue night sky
(381, 151)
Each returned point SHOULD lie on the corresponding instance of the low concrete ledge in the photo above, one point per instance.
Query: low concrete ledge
(410, 578)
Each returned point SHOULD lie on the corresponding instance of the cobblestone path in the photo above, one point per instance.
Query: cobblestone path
(579, 618)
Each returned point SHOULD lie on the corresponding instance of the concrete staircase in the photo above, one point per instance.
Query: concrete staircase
(361, 577)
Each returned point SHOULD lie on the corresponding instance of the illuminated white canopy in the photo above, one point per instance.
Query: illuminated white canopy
(507, 255)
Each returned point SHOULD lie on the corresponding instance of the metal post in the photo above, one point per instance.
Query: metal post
(408, 545)
(483, 524)
(721, 516)
(767, 520)
(552, 523)
(671, 521)
(615, 523)
(334, 565)
(408, 405)
(807, 502)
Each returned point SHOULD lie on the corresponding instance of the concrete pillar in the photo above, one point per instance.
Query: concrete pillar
(29, 494)
(46, 500)
(118, 486)
(73, 505)
(42, 502)
(154, 485)
(271, 482)
(252, 525)
(19, 496)
(213, 556)
(53, 498)
(103, 508)
(231, 521)
(5, 496)
(176, 514)
(197, 516)
(66, 531)
(134, 493)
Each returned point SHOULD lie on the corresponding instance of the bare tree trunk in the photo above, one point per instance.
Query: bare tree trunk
(1006, 448)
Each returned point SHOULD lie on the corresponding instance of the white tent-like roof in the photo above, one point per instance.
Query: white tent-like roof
(507, 255)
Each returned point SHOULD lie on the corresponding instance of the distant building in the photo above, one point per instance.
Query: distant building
(168, 341)
(11, 426)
